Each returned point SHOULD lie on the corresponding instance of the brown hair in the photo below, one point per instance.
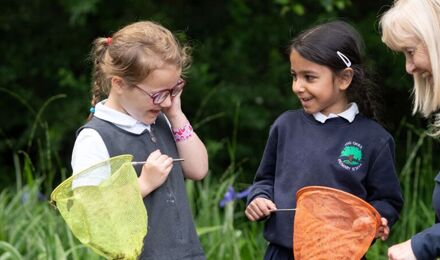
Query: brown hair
(132, 53)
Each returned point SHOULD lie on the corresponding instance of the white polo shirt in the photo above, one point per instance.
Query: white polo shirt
(89, 147)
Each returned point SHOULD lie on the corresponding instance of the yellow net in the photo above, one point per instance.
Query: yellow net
(332, 224)
(103, 207)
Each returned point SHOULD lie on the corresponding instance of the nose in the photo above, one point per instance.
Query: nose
(409, 66)
(297, 86)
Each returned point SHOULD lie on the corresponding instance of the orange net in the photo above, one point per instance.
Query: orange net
(332, 224)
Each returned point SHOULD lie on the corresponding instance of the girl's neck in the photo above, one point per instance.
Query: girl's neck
(336, 110)
(110, 102)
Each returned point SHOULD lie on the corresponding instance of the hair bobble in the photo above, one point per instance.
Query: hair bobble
(109, 41)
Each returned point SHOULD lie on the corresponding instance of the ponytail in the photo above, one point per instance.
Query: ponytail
(100, 82)
(367, 94)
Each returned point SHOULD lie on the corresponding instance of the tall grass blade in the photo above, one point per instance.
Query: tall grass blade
(6, 247)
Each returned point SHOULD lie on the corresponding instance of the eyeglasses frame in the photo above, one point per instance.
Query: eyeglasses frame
(154, 96)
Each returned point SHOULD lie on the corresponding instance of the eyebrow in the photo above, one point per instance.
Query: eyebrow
(304, 71)
(168, 88)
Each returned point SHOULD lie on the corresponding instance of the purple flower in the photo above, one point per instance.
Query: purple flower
(25, 197)
(231, 195)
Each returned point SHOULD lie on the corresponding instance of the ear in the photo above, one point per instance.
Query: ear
(344, 78)
(118, 84)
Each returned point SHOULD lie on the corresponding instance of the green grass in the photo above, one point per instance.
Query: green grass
(31, 229)
(224, 232)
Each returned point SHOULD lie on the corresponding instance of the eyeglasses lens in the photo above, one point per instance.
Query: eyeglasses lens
(161, 96)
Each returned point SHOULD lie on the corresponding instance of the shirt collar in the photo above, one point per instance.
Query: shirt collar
(349, 114)
(121, 120)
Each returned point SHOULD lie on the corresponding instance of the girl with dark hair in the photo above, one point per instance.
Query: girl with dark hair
(332, 141)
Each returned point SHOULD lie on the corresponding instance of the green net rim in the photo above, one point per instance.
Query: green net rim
(53, 195)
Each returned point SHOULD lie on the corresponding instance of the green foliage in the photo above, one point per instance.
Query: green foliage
(36, 143)
(299, 9)
(239, 50)
(238, 84)
(79, 10)
(416, 177)
(31, 229)
(215, 223)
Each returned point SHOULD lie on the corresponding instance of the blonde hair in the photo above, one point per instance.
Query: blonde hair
(132, 53)
(411, 21)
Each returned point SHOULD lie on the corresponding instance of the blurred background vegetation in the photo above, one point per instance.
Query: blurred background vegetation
(238, 84)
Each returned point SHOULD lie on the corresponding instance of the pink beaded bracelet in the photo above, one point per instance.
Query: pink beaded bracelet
(182, 133)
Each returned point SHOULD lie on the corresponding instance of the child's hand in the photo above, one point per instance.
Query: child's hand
(362, 223)
(175, 109)
(259, 208)
(402, 251)
(154, 172)
(383, 231)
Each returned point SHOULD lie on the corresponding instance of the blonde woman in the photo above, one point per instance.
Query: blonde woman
(413, 28)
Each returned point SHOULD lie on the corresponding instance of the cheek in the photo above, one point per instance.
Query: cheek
(428, 65)
(423, 62)
(137, 102)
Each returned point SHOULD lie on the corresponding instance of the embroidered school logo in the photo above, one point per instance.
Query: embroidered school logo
(351, 156)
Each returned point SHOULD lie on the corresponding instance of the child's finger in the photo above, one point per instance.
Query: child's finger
(384, 221)
(253, 213)
(386, 233)
(252, 216)
(259, 208)
(163, 158)
(256, 210)
(271, 206)
(384, 230)
(266, 207)
(169, 167)
(154, 155)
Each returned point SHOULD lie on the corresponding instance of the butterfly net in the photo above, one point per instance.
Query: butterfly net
(332, 224)
(103, 207)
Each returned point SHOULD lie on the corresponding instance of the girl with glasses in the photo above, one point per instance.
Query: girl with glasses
(136, 109)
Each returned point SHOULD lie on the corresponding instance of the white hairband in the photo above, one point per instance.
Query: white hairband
(344, 59)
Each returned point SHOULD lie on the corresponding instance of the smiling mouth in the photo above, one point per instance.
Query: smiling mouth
(426, 75)
(306, 99)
